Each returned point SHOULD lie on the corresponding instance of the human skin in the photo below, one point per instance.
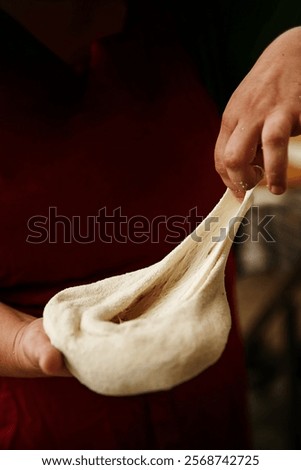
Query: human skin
(260, 117)
(25, 350)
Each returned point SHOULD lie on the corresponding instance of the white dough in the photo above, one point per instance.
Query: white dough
(153, 328)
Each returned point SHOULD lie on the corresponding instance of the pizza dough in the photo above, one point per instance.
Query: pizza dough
(153, 328)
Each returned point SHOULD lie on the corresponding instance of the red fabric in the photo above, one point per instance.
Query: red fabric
(142, 140)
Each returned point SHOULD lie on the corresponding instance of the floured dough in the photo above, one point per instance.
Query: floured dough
(153, 328)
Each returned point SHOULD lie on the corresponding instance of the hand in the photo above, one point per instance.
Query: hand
(261, 116)
(25, 349)
(35, 354)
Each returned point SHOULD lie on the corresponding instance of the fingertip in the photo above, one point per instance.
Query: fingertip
(276, 184)
(52, 363)
(276, 189)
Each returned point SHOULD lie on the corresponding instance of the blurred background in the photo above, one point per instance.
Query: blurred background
(269, 299)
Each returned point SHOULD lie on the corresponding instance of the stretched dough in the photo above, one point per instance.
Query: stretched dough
(156, 327)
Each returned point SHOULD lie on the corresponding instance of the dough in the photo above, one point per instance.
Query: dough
(153, 328)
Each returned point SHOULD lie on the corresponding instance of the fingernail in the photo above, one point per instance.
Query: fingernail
(276, 189)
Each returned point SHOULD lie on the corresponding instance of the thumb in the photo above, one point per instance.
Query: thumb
(51, 361)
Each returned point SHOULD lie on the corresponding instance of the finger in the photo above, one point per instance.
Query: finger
(220, 166)
(51, 362)
(275, 138)
(37, 356)
(239, 157)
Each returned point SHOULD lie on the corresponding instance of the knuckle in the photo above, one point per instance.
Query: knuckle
(276, 132)
(274, 139)
(220, 168)
(227, 122)
(231, 160)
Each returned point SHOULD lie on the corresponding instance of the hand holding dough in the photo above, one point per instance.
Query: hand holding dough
(153, 328)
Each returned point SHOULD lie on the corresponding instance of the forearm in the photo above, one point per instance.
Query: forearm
(12, 322)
